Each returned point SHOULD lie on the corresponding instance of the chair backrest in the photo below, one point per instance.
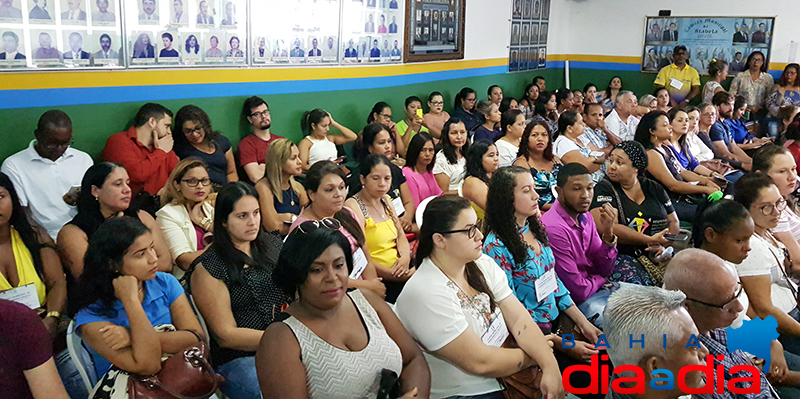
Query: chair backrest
(80, 358)
(200, 319)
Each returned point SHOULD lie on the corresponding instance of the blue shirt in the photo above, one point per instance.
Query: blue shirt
(739, 131)
(160, 293)
(522, 279)
(684, 157)
(721, 131)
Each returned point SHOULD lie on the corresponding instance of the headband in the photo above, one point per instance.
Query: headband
(635, 153)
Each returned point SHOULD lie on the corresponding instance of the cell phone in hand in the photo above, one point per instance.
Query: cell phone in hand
(676, 237)
(74, 190)
(419, 112)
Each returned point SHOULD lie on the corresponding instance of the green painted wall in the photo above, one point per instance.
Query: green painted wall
(93, 124)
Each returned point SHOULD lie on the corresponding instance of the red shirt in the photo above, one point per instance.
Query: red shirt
(24, 345)
(254, 149)
(148, 168)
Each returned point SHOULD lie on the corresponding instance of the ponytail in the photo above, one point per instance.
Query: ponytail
(312, 117)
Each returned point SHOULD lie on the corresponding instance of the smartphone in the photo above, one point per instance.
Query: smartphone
(676, 237)
(74, 190)
(419, 112)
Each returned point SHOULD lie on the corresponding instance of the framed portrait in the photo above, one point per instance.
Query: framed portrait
(330, 49)
(108, 48)
(44, 51)
(179, 13)
(13, 51)
(235, 53)
(168, 52)
(261, 50)
(434, 30)
(77, 49)
(103, 12)
(11, 11)
(73, 12)
(40, 12)
(142, 49)
(190, 47)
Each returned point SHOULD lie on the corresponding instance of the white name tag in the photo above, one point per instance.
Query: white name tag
(677, 84)
(399, 209)
(25, 295)
(359, 264)
(546, 285)
(497, 332)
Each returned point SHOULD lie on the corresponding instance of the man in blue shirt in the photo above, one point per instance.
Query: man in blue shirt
(720, 133)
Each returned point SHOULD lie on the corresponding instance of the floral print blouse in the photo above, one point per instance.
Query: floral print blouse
(522, 278)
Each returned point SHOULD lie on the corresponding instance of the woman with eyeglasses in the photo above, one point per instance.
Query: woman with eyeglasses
(105, 194)
(327, 329)
(196, 138)
(381, 113)
(186, 219)
(458, 305)
(754, 84)
(450, 165)
(327, 192)
(763, 272)
(436, 116)
(281, 196)
(464, 108)
(232, 286)
(318, 145)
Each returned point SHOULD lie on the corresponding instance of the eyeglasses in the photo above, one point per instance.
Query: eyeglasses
(195, 182)
(261, 114)
(768, 209)
(189, 132)
(728, 304)
(59, 145)
(470, 100)
(385, 116)
(437, 103)
(471, 230)
(309, 225)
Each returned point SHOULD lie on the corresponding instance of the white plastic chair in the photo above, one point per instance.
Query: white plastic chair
(81, 358)
(200, 319)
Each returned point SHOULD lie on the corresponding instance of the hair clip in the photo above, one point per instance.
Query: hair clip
(715, 196)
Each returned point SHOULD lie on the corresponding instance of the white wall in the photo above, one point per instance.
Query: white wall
(488, 27)
(616, 27)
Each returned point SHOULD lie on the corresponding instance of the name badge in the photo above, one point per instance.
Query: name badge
(25, 295)
(497, 332)
(677, 84)
(359, 264)
(397, 203)
(546, 285)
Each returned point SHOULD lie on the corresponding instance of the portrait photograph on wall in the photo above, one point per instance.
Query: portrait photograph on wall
(529, 27)
(434, 30)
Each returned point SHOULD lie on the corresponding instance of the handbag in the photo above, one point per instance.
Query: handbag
(656, 272)
(185, 375)
(524, 383)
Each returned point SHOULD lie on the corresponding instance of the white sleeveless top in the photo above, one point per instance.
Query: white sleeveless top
(336, 373)
(321, 150)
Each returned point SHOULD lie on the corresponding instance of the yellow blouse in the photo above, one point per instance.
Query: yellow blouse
(25, 269)
(381, 237)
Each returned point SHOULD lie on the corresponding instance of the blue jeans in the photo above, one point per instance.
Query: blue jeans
(70, 376)
(596, 303)
(241, 381)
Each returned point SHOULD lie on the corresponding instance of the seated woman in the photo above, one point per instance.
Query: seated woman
(518, 244)
(377, 140)
(662, 100)
(410, 125)
(327, 328)
(649, 101)
(564, 99)
(701, 152)
(383, 233)
(464, 109)
(104, 194)
(187, 217)
(644, 210)
(792, 137)
(509, 103)
(482, 161)
(786, 115)
(679, 120)
(232, 286)
(436, 117)
(450, 167)
(589, 93)
(420, 180)
(536, 154)
(609, 95)
(456, 296)
(738, 127)
(786, 90)
(545, 110)
(318, 145)
(528, 99)
(490, 129)
(382, 113)
(718, 70)
(770, 291)
(127, 311)
(513, 123)
(569, 148)
(653, 132)
(196, 138)
(326, 189)
(280, 195)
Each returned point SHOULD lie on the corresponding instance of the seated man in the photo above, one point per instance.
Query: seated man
(253, 148)
(585, 254)
(145, 149)
(621, 122)
(714, 300)
(725, 147)
(646, 314)
(596, 130)
(45, 172)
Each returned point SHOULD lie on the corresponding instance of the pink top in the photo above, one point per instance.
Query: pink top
(421, 185)
(200, 233)
(353, 243)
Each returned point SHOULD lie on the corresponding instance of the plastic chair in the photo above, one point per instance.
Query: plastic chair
(200, 319)
(80, 358)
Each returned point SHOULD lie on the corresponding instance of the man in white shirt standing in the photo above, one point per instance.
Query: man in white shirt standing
(621, 121)
(44, 173)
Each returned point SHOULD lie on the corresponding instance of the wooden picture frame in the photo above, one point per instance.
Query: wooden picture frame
(419, 30)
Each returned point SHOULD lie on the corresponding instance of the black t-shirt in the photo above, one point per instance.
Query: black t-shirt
(398, 178)
(649, 217)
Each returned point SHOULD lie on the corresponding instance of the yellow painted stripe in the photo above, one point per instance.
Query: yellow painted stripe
(74, 79)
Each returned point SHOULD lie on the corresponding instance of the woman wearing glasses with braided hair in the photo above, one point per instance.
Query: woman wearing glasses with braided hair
(186, 219)
(327, 191)
(458, 305)
(325, 328)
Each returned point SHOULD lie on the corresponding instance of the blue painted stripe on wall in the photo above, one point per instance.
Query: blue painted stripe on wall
(11, 99)
(607, 66)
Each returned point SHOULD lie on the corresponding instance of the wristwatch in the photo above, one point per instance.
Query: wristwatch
(613, 241)
(53, 313)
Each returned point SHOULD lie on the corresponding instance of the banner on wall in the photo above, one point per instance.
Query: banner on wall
(729, 39)
(529, 28)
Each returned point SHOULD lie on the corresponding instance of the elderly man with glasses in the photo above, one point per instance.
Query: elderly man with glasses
(715, 300)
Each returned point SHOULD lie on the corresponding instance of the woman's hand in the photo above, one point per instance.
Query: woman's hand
(375, 285)
(197, 215)
(400, 267)
(583, 351)
(551, 386)
(116, 337)
(659, 240)
(589, 331)
(126, 288)
(406, 221)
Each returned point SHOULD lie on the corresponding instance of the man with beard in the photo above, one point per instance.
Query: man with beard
(585, 252)
(253, 148)
(725, 147)
(106, 52)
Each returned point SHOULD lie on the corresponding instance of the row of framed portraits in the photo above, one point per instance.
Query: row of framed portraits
(86, 34)
(529, 28)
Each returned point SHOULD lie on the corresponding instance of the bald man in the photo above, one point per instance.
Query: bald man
(714, 301)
